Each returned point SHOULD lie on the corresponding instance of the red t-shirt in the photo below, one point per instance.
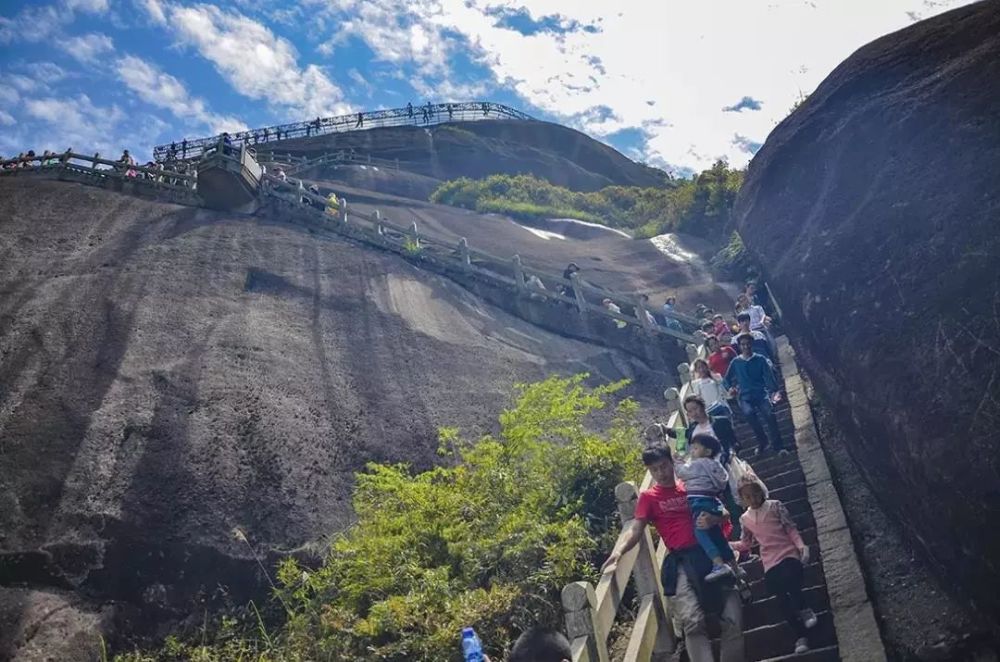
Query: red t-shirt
(719, 360)
(666, 508)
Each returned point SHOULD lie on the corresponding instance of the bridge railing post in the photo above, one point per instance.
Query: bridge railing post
(342, 208)
(581, 301)
(646, 570)
(579, 603)
(463, 252)
(518, 273)
(415, 235)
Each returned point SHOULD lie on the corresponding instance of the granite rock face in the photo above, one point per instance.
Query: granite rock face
(875, 211)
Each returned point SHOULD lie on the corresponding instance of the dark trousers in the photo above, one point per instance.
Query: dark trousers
(784, 581)
(755, 407)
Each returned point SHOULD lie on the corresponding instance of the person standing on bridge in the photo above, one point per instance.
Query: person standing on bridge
(361, 121)
(409, 109)
(451, 112)
(665, 507)
(750, 378)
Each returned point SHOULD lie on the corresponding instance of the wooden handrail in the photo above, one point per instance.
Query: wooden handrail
(652, 631)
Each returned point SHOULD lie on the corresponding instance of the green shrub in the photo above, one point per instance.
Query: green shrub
(488, 540)
(700, 206)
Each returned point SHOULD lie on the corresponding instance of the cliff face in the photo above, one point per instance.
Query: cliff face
(556, 153)
(169, 374)
(873, 209)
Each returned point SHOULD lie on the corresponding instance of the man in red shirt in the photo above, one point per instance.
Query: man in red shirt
(719, 355)
(665, 506)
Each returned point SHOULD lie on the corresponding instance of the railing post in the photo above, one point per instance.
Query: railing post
(646, 571)
(93, 166)
(640, 312)
(580, 604)
(343, 210)
(673, 398)
(518, 273)
(684, 372)
(463, 252)
(692, 352)
(581, 302)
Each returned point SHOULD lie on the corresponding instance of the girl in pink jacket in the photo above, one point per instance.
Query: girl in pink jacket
(768, 524)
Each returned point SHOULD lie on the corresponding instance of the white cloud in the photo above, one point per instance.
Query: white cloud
(88, 48)
(154, 8)
(45, 72)
(91, 6)
(165, 91)
(75, 122)
(6, 119)
(257, 63)
(691, 60)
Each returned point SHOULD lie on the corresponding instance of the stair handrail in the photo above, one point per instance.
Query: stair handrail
(425, 115)
(384, 232)
(590, 611)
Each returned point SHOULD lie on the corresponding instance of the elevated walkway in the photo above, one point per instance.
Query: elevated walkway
(229, 177)
(426, 115)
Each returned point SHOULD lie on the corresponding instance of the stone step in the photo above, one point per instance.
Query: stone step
(771, 641)
(778, 640)
(789, 493)
(767, 612)
(812, 573)
(826, 654)
(773, 464)
(793, 477)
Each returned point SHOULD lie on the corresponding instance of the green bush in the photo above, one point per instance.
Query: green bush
(488, 540)
(700, 206)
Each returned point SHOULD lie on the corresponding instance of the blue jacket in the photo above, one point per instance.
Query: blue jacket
(754, 376)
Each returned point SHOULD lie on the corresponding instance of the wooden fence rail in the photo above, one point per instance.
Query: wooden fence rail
(590, 612)
(508, 271)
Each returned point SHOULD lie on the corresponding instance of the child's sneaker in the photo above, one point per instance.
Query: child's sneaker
(801, 645)
(719, 572)
(808, 618)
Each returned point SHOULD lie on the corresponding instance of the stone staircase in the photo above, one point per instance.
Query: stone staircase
(767, 635)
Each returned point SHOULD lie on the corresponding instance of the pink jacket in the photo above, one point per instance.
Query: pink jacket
(772, 528)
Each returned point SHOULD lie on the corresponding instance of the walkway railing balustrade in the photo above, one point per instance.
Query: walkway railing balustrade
(426, 115)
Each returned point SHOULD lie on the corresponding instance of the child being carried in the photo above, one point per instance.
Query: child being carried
(704, 479)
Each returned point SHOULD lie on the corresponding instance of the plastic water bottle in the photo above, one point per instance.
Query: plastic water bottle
(472, 648)
(681, 444)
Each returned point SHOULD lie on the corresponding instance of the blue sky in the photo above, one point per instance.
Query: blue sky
(675, 83)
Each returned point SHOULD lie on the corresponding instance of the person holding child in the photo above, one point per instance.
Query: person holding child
(665, 506)
(767, 523)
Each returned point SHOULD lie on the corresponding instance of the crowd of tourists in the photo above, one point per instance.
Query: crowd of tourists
(708, 506)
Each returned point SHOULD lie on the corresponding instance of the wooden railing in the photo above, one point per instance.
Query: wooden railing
(426, 115)
(296, 164)
(179, 187)
(589, 611)
(408, 241)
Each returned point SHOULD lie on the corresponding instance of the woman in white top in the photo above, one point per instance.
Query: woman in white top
(709, 387)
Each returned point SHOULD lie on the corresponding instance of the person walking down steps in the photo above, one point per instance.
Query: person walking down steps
(783, 553)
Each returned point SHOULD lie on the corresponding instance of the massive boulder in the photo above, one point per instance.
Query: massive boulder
(178, 386)
(561, 155)
(874, 211)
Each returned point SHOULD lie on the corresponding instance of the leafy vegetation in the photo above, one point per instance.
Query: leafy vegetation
(487, 540)
(700, 206)
(733, 261)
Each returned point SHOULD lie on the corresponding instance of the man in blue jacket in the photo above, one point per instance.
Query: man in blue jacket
(751, 378)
